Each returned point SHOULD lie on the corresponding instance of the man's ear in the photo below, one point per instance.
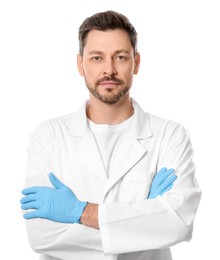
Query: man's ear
(80, 64)
(137, 61)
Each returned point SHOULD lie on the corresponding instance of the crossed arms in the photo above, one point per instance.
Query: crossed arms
(60, 204)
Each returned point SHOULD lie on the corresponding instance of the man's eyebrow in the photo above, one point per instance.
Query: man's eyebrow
(122, 51)
(95, 52)
(115, 53)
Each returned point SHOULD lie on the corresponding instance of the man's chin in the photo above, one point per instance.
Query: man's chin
(108, 100)
(108, 96)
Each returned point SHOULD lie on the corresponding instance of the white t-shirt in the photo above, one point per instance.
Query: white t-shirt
(107, 137)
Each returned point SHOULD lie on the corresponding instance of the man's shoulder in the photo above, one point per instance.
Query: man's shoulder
(153, 120)
(55, 125)
(166, 126)
(158, 120)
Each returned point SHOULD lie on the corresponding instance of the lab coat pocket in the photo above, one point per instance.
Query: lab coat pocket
(135, 191)
(135, 186)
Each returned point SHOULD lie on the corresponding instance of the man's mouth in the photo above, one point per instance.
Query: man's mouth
(109, 83)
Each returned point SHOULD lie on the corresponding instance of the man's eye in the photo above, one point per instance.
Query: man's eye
(121, 58)
(96, 58)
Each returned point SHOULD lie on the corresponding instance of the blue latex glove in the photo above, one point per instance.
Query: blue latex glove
(58, 204)
(162, 182)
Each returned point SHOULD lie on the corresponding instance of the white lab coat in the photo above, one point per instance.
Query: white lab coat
(132, 227)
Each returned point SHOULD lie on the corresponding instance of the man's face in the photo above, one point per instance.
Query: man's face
(108, 64)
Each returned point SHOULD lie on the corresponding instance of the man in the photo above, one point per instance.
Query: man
(104, 198)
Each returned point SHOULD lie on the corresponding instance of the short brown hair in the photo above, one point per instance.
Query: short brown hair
(104, 21)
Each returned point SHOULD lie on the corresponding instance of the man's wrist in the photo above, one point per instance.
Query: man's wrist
(90, 216)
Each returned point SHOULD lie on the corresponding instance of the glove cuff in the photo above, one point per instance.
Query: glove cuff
(81, 207)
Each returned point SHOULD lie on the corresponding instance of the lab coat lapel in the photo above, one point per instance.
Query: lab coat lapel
(90, 155)
(129, 150)
(86, 148)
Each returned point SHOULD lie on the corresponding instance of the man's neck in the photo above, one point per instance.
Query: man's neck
(101, 113)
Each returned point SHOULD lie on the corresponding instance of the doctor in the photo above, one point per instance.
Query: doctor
(100, 182)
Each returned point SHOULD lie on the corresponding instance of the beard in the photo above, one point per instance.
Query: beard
(111, 95)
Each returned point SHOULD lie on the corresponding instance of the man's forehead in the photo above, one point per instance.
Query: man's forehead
(114, 40)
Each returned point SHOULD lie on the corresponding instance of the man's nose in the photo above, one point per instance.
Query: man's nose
(109, 68)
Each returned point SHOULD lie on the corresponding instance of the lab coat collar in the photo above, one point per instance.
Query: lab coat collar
(78, 125)
(139, 128)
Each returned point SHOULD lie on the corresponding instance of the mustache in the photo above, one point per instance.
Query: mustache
(109, 78)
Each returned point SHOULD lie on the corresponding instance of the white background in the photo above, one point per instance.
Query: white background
(179, 79)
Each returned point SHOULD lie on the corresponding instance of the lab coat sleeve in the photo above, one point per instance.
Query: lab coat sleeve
(160, 222)
(59, 240)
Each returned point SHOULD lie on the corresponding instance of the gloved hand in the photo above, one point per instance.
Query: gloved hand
(58, 204)
(162, 182)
